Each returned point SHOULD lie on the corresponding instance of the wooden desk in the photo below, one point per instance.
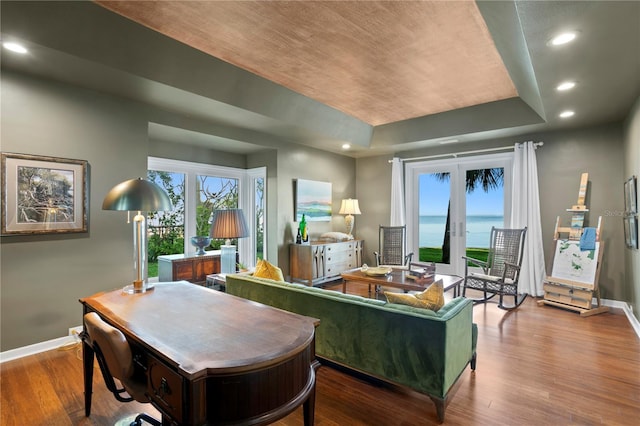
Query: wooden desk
(212, 358)
(397, 279)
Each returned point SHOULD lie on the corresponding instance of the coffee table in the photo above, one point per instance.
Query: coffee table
(397, 279)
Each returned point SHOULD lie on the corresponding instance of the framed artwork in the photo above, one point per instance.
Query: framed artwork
(43, 195)
(631, 231)
(630, 196)
(313, 199)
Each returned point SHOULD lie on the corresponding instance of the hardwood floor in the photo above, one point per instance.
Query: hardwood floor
(536, 366)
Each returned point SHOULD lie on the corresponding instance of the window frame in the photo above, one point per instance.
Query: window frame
(246, 196)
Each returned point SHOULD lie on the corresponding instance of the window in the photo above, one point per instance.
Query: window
(196, 190)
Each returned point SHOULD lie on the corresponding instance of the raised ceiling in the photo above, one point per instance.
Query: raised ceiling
(377, 61)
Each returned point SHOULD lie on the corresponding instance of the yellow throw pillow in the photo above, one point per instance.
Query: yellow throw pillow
(264, 269)
(404, 299)
(433, 295)
(432, 298)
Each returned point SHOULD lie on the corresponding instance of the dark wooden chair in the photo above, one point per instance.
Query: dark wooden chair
(501, 272)
(116, 361)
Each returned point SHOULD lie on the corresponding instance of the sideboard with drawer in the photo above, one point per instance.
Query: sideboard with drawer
(320, 261)
(188, 267)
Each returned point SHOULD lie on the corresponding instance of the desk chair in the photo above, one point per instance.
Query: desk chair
(392, 243)
(501, 272)
(115, 360)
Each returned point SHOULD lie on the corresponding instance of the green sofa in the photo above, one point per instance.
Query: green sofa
(424, 350)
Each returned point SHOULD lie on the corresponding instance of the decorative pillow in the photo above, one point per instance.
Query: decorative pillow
(433, 295)
(265, 269)
(336, 236)
(405, 299)
(432, 298)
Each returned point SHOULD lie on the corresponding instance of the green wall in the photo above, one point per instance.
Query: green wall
(43, 277)
(632, 168)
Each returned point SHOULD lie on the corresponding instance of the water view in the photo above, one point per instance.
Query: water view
(431, 231)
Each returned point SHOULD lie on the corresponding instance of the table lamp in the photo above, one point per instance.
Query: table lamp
(349, 207)
(138, 195)
(227, 224)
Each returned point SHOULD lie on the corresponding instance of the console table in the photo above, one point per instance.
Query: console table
(188, 267)
(212, 358)
(321, 261)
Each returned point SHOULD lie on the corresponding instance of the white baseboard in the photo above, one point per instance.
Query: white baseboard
(635, 324)
(36, 348)
(61, 341)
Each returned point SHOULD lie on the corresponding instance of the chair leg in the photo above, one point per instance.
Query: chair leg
(147, 418)
(517, 302)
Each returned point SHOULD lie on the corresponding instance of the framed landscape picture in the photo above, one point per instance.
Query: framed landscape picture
(43, 195)
(313, 199)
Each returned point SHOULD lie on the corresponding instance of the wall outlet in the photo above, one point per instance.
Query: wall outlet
(74, 331)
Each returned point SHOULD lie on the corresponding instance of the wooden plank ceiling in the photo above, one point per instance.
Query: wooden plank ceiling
(378, 61)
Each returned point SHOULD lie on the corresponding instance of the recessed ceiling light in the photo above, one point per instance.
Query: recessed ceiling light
(567, 114)
(346, 146)
(567, 85)
(563, 38)
(14, 47)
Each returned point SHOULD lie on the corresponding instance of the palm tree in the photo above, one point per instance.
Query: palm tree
(483, 178)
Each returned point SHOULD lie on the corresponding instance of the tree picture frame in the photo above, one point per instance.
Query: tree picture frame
(43, 195)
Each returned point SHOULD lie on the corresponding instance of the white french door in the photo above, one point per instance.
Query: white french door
(452, 205)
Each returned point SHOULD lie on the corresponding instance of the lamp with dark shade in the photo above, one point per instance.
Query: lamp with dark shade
(138, 195)
(228, 224)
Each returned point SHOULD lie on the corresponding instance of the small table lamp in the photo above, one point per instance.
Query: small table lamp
(227, 224)
(142, 196)
(349, 207)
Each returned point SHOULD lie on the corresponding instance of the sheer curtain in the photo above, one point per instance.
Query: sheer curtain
(397, 193)
(525, 211)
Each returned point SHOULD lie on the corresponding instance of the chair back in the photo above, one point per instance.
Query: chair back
(110, 345)
(392, 243)
(506, 246)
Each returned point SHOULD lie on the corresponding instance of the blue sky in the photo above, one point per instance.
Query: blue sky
(434, 199)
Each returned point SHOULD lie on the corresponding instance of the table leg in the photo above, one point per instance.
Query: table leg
(87, 362)
(344, 286)
(309, 406)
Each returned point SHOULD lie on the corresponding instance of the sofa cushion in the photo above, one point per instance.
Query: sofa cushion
(434, 295)
(432, 298)
(265, 269)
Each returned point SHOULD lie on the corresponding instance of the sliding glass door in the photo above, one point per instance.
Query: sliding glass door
(452, 205)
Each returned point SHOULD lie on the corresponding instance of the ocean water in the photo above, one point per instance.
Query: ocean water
(431, 230)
